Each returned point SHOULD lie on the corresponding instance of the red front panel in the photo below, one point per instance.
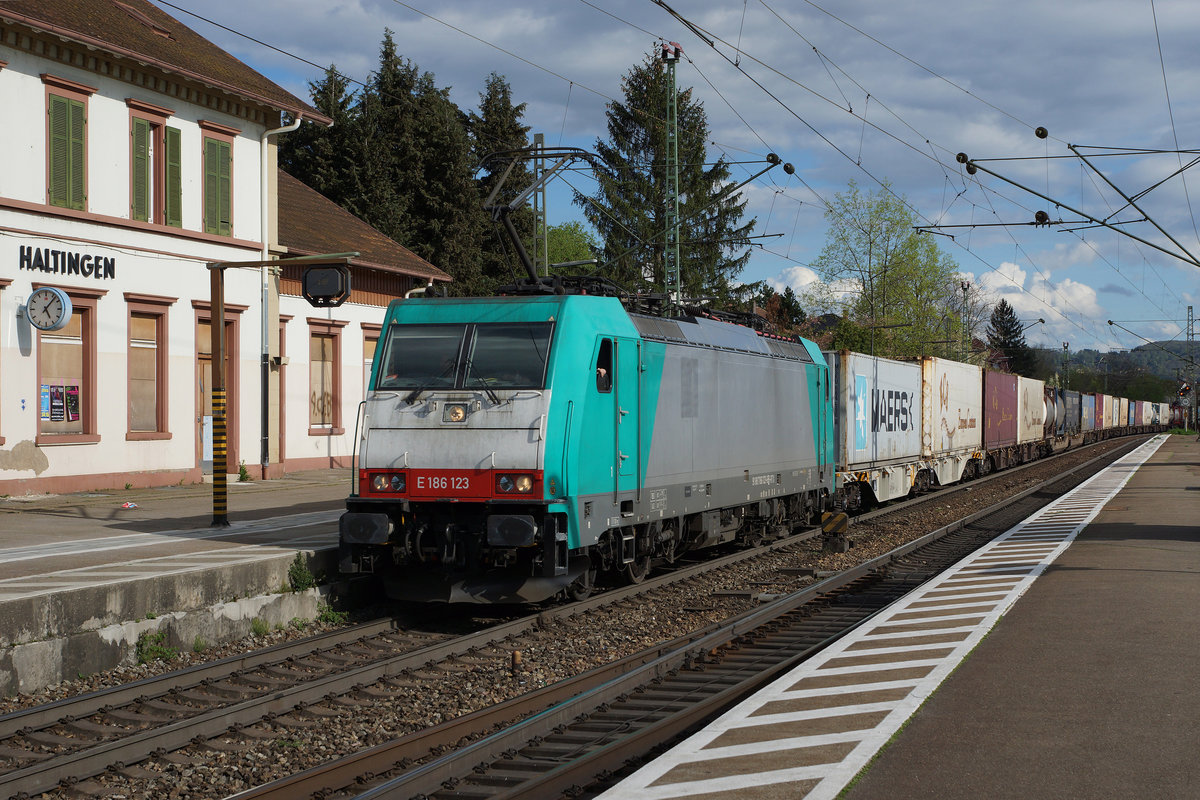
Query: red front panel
(465, 484)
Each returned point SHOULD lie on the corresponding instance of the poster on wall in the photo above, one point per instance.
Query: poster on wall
(45, 402)
(58, 409)
(72, 403)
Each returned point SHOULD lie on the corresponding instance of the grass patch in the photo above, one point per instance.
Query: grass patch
(154, 647)
(299, 575)
(330, 617)
(259, 626)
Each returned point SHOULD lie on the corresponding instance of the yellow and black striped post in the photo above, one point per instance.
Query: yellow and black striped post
(220, 462)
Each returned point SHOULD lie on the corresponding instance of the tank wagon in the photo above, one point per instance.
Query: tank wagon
(514, 448)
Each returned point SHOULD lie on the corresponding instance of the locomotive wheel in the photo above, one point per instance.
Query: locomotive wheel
(636, 571)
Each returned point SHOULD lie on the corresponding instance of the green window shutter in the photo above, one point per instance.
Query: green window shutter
(60, 151)
(174, 179)
(78, 134)
(218, 198)
(226, 190)
(67, 159)
(139, 205)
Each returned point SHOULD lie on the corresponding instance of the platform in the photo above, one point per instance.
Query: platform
(1056, 662)
(83, 575)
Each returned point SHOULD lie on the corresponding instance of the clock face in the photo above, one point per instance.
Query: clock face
(48, 309)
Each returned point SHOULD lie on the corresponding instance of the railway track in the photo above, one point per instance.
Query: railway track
(87, 743)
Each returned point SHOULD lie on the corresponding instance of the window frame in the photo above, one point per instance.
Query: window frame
(332, 328)
(222, 136)
(165, 173)
(157, 307)
(372, 332)
(75, 95)
(85, 303)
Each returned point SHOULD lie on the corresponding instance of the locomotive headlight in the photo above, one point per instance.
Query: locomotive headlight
(383, 482)
(454, 412)
(514, 484)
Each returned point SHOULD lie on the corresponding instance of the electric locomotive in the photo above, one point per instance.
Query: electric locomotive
(514, 449)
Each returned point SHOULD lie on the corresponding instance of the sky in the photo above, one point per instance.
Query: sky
(852, 90)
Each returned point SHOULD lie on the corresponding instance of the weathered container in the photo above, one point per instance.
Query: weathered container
(1031, 409)
(999, 409)
(1107, 411)
(1087, 416)
(1069, 422)
(1123, 408)
(877, 409)
(951, 408)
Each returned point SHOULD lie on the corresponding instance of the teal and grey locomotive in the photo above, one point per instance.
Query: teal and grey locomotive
(517, 448)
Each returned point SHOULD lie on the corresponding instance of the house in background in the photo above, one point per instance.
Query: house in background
(135, 154)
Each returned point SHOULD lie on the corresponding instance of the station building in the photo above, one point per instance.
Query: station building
(135, 154)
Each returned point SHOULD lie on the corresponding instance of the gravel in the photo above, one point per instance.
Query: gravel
(276, 749)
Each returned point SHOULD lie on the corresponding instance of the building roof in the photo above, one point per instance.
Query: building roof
(310, 223)
(139, 30)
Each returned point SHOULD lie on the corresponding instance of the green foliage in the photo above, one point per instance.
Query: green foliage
(259, 626)
(891, 281)
(570, 241)
(153, 647)
(495, 129)
(243, 473)
(299, 575)
(629, 208)
(298, 623)
(398, 157)
(199, 645)
(327, 615)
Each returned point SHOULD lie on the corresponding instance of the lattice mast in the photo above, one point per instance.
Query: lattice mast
(670, 55)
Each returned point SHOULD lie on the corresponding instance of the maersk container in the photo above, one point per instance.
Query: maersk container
(1031, 409)
(877, 413)
(1068, 422)
(951, 408)
(1087, 418)
(999, 409)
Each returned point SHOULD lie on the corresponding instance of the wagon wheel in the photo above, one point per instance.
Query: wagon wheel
(636, 571)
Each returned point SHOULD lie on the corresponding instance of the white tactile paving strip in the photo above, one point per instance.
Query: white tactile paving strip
(268, 538)
(810, 732)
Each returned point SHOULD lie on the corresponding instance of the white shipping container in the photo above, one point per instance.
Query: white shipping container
(1109, 410)
(1123, 405)
(877, 414)
(951, 406)
(1031, 409)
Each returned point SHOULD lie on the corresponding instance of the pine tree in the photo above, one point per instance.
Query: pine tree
(1004, 333)
(497, 128)
(327, 159)
(399, 157)
(629, 209)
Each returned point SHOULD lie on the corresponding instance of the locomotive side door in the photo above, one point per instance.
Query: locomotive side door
(626, 394)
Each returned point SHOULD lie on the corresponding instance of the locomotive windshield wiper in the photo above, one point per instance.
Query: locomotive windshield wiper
(420, 390)
(478, 380)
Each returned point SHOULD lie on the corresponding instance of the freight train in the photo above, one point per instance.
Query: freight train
(515, 449)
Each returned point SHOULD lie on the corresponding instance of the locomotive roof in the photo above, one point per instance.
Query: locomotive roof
(721, 335)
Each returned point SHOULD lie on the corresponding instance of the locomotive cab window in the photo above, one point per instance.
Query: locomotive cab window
(604, 366)
(501, 355)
